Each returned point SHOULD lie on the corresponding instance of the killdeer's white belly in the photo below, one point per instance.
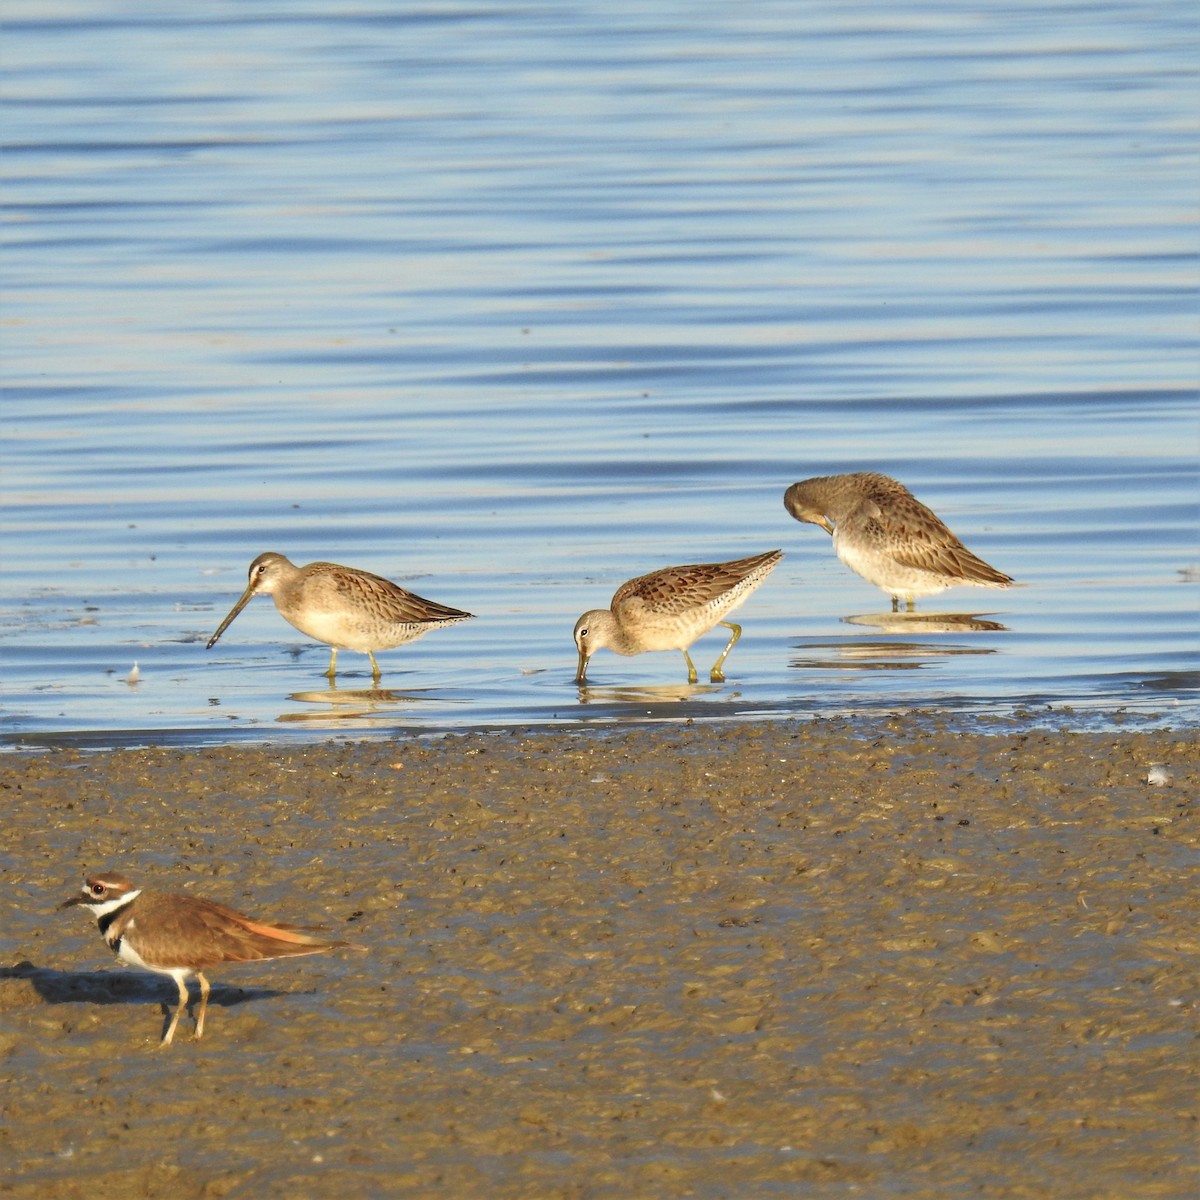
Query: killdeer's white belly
(127, 954)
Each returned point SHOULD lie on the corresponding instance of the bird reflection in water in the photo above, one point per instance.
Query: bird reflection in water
(928, 622)
(346, 705)
(650, 694)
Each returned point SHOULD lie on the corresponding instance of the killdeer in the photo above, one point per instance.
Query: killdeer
(884, 533)
(179, 935)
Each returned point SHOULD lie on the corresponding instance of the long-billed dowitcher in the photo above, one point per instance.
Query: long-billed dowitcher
(172, 933)
(671, 608)
(345, 608)
(885, 534)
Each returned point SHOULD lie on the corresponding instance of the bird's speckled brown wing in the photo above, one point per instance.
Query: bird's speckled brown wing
(383, 598)
(675, 590)
(894, 522)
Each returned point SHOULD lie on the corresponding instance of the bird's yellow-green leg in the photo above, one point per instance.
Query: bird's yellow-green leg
(691, 667)
(911, 606)
(716, 674)
(375, 671)
(332, 664)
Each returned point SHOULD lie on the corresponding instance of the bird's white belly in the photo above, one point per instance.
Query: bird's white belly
(895, 578)
(347, 633)
(666, 631)
(666, 637)
(127, 954)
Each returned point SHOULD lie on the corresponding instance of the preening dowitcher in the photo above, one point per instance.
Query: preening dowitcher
(886, 535)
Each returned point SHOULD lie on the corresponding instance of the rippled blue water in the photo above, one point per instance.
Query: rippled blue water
(511, 303)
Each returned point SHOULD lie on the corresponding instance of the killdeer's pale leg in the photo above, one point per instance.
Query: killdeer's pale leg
(204, 990)
(184, 998)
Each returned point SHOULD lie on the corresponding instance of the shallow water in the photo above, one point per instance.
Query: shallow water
(512, 305)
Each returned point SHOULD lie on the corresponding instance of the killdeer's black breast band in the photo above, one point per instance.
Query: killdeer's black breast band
(104, 922)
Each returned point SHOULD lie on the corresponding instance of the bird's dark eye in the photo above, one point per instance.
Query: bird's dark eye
(583, 633)
(97, 889)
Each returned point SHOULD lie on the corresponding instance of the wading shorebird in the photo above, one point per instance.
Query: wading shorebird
(171, 933)
(671, 608)
(884, 533)
(345, 608)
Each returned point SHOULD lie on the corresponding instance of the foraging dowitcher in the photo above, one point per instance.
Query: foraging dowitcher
(180, 935)
(343, 607)
(886, 535)
(671, 608)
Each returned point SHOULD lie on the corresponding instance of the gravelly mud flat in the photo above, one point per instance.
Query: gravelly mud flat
(816, 960)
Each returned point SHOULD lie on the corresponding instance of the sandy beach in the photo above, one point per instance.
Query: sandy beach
(802, 959)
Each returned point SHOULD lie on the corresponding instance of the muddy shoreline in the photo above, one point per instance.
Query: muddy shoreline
(788, 959)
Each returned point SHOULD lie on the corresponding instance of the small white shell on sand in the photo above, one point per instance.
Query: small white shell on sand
(1158, 775)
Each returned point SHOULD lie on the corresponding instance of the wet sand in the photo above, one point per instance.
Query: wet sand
(817, 960)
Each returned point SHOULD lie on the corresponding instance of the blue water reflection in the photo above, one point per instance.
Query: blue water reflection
(511, 305)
